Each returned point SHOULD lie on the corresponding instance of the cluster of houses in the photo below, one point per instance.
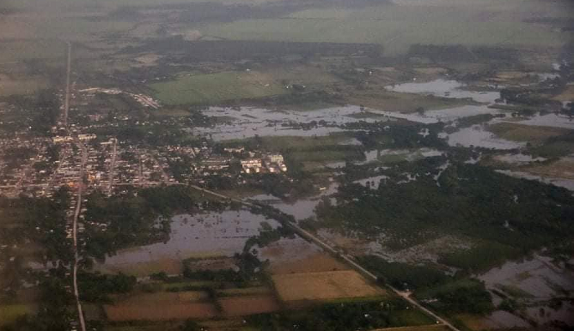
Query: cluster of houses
(272, 163)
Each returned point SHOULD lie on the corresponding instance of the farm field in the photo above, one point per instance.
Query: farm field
(10, 313)
(417, 328)
(154, 312)
(216, 88)
(320, 262)
(399, 25)
(520, 132)
(563, 168)
(248, 305)
(320, 286)
(9, 86)
(169, 266)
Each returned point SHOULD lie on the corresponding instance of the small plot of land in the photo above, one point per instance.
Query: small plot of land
(162, 306)
(530, 133)
(417, 328)
(319, 262)
(563, 168)
(324, 286)
(248, 305)
(9, 86)
(567, 94)
(159, 312)
(9, 313)
(141, 269)
(216, 88)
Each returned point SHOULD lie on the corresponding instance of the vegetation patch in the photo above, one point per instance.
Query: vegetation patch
(528, 133)
(217, 88)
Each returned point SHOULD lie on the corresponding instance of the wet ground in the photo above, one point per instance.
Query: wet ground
(207, 234)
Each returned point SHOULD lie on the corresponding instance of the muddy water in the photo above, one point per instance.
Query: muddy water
(300, 209)
(551, 120)
(372, 182)
(447, 89)
(519, 158)
(478, 136)
(538, 277)
(222, 233)
(249, 122)
(561, 182)
(541, 280)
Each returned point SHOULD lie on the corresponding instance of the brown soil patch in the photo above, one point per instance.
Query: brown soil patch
(159, 312)
(324, 286)
(563, 168)
(314, 263)
(248, 305)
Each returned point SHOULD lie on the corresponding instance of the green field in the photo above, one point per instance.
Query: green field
(216, 88)
(396, 27)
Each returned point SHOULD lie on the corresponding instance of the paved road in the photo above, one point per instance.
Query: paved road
(75, 233)
(79, 194)
(68, 74)
(321, 243)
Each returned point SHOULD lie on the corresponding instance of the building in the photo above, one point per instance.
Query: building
(251, 165)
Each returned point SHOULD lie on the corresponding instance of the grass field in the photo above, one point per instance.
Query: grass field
(9, 86)
(9, 313)
(156, 312)
(396, 27)
(529, 133)
(216, 88)
(143, 268)
(319, 262)
(320, 286)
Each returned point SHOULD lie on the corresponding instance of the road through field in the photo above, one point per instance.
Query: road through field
(321, 243)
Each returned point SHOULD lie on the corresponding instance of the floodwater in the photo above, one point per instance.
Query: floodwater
(249, 122)
(478, 136)
(519, 158)
(561, 182)
(221, 233)
(409, 155)
(539, 277)
(552, 120)
(540, 280)
(446, 89)
(300, 209)
(372, 182)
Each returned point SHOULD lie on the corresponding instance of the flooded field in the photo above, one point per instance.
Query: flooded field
(300, 209)
(518, 158)
(550, 120)
(446, 89)
(562, 182)
(478, 136)
(206, 234)
(533, 282)
(249, 122)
